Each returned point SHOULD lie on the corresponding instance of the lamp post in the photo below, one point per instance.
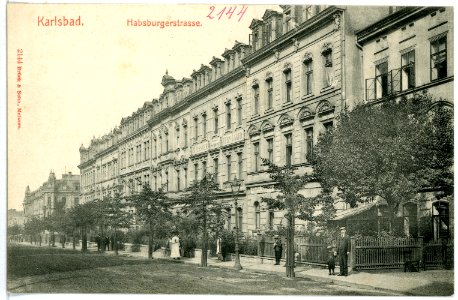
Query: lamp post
(235, 188)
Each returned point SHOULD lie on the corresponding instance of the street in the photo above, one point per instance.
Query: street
(53, 270)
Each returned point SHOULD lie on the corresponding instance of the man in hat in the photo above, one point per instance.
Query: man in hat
(343, 251)
(278, 248)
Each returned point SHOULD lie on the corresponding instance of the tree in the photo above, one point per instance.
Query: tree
(154, 209)
(112, 212)
(391, 150)
(200, 200)
(288, 184)
(83, 217)
(14, 231)
(33, 227)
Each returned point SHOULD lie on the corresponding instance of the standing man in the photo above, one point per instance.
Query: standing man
(278, 248)
(343, 251)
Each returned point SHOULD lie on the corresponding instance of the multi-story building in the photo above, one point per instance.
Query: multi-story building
(407, 52)
(15, 218)
(63, 193)
(269, 98)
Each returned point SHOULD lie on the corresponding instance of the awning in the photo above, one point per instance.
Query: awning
(362, 207)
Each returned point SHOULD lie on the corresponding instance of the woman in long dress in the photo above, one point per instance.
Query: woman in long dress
(175, 247)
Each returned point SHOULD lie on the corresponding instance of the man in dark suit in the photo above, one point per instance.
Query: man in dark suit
(278, 248)
(343, 251)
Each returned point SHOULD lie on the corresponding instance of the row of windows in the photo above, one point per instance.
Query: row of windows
(257, 218)
(142, 153)
(388, 82)
(307, 82)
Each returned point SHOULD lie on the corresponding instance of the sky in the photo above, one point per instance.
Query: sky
(78, 82)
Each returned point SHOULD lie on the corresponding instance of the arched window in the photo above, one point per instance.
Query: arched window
(257, 215)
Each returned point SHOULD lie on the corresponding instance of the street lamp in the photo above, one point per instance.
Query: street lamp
(235, 188)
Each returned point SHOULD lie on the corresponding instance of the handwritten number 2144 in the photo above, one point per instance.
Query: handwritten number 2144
(228, 11)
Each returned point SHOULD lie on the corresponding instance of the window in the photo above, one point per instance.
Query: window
(204, 169)
(185, 177)
(309, 143)
(328, 125)
(166, 142)
(408, 70)
(204, 125)
(240, 218)
(381, 77)
(288, 148)
(256, 156)
(215, 168)
(308, 77)
(186, 136)
(138, 154)
(256, 99)
(257, 215)
(270, 149)
(439, 58)
(196, 172)
(328, 70)
(160, 145)
(147, 150)
(167, 180)
(178, 179)
(288, 86)
(196, 128)
(240, 164)
(155, 148)
(441, 220)
(178, 138)
(239, 111)
(270, 96)
(216, 121)
(308, 12)
(229, 225)
(77, 201)
(155, 183)
(271, 219)
(228, 115)
(228, 165)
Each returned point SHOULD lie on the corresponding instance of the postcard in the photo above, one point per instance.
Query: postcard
(230, 149)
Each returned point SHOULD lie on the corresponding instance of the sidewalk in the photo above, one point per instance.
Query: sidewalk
(424, 283)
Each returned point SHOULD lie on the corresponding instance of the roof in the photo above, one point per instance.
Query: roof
(362, 207)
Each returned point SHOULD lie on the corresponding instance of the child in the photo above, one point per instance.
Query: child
(332, 254)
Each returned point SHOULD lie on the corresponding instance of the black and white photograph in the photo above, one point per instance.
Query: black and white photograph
(229, 149)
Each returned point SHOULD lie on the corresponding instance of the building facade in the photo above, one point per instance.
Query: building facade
(54, 193)
(268, 98)
(408, 52)
(15, 218)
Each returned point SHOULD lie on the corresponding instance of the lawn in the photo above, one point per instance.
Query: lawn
(29, 261)
(51, 270)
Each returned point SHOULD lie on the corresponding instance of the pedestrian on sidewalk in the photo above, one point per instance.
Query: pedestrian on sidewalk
(278, 248)
(175, 246)
(343, 251)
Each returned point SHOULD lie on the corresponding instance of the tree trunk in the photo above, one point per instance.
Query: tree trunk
(203, 259)
(290, 246)
(73, 238)
(83, 239)
(150, 242)
(115, 241)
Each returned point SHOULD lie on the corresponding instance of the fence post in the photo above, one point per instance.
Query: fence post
(259, 236)
(420, 251)
(352, 253)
